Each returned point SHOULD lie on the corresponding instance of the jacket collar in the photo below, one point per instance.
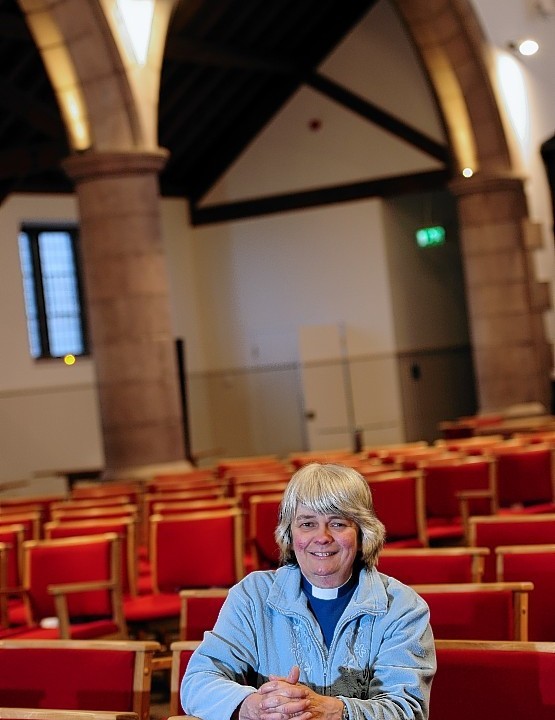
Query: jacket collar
(286, 595)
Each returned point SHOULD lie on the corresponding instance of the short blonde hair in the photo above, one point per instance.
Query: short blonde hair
(330, 489)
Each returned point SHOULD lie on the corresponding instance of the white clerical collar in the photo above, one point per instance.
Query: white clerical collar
(327, 593)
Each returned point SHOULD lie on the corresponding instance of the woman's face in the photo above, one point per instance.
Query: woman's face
(325, 546)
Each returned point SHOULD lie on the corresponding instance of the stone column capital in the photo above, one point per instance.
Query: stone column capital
(484, 183)
(91, 165)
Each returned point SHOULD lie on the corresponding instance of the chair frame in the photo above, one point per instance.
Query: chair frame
(175, 677)
(37, 714)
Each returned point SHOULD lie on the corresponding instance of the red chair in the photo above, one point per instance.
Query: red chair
(182, 551)
(433, 565)
(381, 451)
(181, 654)
(492, 531)
(98, 490)
(31, 521)
(178, 507)
(525, 477)
(3, 585)
(201, 533)
(248, 464)
(199, 611)
(87, 503)
(484, 680)
(398, 499)
(263, 519)
(26, 503)
(124, 527)
(76, 581)
(77, 674)
(536, 564)
(478, 611)
(92, 513)
(475, 445)
(445, 480)
(13, 537)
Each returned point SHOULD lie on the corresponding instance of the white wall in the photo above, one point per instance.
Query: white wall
(48, 411)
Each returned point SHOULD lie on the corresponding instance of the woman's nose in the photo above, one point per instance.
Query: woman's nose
(323, 535)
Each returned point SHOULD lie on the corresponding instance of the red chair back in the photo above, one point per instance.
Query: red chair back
(13, 536)
(263, 519)
(536, 564)
(125, 527)
(443, 480)
(199, 611)
(64, 561)
(496, 530)
(433, 565)
(201, 549)
(77, 674)
(524, 475)
(399, 503)
(485, 680)
(478, 611)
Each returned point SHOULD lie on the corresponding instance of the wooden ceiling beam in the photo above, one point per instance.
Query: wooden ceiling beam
(366, 109)
(318, 197)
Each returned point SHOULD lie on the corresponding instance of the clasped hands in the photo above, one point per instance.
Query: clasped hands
(282, 698)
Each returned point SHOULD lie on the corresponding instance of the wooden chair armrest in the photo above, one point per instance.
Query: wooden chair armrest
(13, 591)
(162, 663)
(68, 588)
(470, 494)
(60, 593)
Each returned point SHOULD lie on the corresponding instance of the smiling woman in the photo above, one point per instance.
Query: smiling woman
(325, 635)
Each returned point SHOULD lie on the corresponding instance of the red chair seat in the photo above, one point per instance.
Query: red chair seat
(155, 606)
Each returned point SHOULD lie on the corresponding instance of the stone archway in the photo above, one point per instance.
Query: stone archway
(511, 355)
(110, 108)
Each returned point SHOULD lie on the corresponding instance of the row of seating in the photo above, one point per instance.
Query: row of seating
(170, 570)
(112, 680)
(78, 582)
(477, 679)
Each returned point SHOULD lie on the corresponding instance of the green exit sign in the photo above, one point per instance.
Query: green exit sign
(426, 237)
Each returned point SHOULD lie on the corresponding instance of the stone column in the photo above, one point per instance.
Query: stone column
(127, 293)
(505, 303)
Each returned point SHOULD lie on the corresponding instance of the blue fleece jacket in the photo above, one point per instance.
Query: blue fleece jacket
(381, 660)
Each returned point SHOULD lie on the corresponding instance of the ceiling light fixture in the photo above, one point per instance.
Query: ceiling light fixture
(525, 47)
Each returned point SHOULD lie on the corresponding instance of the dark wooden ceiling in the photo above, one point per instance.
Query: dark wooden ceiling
(229, 66)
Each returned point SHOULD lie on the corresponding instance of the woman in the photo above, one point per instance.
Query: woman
(325, 636)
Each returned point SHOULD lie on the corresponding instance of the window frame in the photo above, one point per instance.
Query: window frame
(33, 231)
